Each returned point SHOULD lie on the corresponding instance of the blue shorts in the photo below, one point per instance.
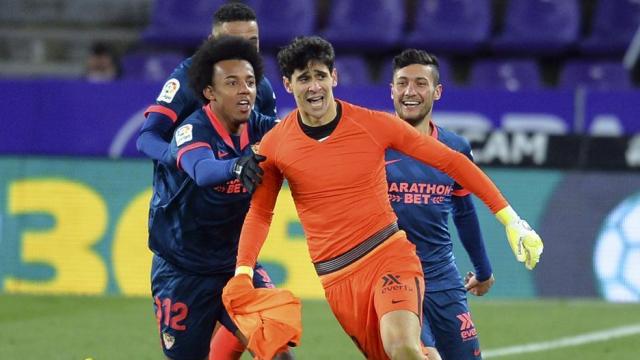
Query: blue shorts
(447, 325)
(187, 307)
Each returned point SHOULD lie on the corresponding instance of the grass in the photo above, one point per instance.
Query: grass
(105, 328)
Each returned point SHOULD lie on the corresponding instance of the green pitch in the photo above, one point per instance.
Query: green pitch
(104, 328)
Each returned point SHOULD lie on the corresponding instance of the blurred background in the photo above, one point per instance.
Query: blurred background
(546, 91)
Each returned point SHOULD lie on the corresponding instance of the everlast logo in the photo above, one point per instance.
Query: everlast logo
(392, 283)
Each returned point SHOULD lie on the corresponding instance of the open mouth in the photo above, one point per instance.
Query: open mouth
(244, 105)
(410, 104)
(316, 101)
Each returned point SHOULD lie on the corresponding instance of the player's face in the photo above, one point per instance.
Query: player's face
(312, 88)
(243, 29)
(413, 91)
(233, 92)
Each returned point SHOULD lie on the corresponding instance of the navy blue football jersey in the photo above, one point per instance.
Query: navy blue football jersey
(197, 228)
(421, 198)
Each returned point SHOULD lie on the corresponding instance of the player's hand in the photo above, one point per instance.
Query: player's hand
(477, 288)
(524, 241)
(247, 170)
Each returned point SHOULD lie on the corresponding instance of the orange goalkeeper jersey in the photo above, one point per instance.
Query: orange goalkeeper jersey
(339, 185)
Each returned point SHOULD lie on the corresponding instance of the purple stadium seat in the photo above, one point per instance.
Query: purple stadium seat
(539, 27)
(446, 77)
(456, 26)
(149, 67)
(282, 21)
(180, 23)
(352, 70)
(507, 74)
(374, 25)
(613, 26)
(602, 75)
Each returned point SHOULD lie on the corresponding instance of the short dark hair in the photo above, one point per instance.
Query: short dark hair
(302, 50)
(234, 11)
(219, 49)
(415, 56)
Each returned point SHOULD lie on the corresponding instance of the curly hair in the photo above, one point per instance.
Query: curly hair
(301, 51)
(234, 11)
(219, 49)
(415, 56)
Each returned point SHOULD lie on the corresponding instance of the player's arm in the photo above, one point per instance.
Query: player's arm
(525, 243)
(158, 126)
(258, 220)
(468, 226)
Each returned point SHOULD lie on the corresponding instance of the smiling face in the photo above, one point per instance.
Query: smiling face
(233, 92)
(413, 91)
(312, 88)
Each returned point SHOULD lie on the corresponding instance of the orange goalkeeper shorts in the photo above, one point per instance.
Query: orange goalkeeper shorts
(387, 279)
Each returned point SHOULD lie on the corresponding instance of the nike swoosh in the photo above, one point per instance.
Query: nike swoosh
(476, 352)
(397, 301)
(391, 161)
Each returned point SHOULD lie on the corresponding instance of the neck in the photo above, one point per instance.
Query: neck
(314, 121)
(425, 125)
(233, 127)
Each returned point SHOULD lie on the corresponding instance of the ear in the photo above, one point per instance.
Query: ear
(334, 76)
(438, 92)
(208, 93)
(287, 85)
(391, 90)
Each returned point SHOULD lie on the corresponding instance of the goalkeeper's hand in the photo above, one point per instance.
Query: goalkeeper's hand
(247, 170)
(524, 241)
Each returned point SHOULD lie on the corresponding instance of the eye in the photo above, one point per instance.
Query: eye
(251, 83)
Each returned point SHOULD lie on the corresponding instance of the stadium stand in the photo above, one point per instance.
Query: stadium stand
(149, 66)
(601, 75)
(507, 74)
(539, 27)
(174, 23)
(453, 26)
(300, 19)
(353, 70)
(374, 27)
(613, 26)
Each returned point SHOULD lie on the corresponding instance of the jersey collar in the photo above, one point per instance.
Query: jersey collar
(224, 134)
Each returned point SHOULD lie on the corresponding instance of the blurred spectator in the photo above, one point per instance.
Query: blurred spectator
(102, 64)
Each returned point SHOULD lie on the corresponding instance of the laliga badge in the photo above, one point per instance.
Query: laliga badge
(169, 90)
(184, 134)
(168, 340)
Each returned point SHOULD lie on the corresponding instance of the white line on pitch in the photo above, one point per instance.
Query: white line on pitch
(563, 342)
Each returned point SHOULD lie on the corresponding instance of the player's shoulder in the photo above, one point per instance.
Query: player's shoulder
(360, 113)
(453, 140)
(197, 118)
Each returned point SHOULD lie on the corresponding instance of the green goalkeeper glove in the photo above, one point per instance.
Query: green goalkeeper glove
(524, 241)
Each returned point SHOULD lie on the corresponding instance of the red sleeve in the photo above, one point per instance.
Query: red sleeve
(256, 225)
(403, 137)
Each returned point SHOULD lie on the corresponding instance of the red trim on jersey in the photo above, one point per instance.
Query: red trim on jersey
(222, 131)
(183, 150)
(434, 133)
(162, 110)
(461, 192)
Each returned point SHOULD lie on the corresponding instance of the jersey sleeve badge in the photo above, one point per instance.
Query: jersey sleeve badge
(169, 90)
(183, 134)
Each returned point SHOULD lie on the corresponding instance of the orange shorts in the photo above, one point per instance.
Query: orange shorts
(387, 279)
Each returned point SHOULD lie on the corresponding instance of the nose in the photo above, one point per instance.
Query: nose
(410, 90)
(244, 88)
(315, 86)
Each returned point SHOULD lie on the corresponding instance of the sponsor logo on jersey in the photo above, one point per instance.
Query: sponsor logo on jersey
(184, 134)
(467, 328)
(392, 282)
(418, 193)
(168, 340)
(169, 90)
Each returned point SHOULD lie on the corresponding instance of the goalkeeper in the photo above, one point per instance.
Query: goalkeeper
(332, 155)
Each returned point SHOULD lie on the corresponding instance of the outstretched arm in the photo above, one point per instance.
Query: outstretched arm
(151, 140)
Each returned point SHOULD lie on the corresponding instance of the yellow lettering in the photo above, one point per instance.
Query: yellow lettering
(131, 254)
(80, 221)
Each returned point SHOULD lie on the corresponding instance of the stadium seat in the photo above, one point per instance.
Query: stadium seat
(507, 74)
(455, 26)
(277, 28)
(613, 26)
(376, 26)
(180, 24)
(603, 75)
(446, 77)
(353, 70)
(149, 67)
(540, 27)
